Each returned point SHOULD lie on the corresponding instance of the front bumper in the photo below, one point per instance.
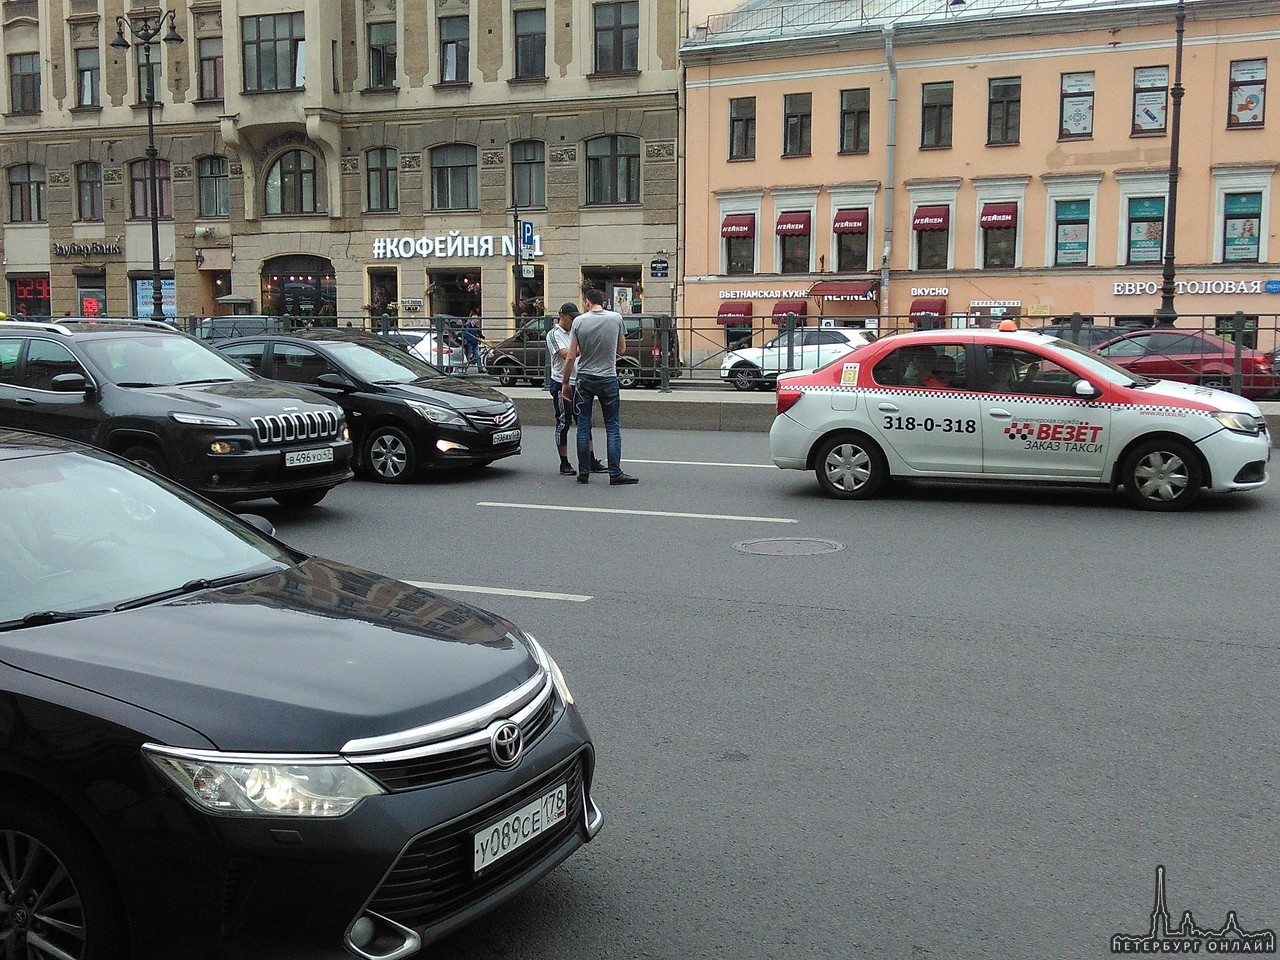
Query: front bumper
(451, 447)
(261, 472)
(1236, 461)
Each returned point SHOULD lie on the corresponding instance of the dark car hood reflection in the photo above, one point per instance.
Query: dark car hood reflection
(457, 394)
(299, 661)
(227, 396)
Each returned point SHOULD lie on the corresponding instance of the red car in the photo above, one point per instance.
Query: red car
(1193, 357)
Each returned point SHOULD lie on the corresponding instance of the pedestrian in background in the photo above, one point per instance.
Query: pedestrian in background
(471, 342)
(596, 339)
(558, 351)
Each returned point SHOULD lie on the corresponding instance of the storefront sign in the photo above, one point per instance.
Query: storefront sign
(1129, 288)
(930, 291)
(410, 303)
(452, 244)
(798, 294)
(94, 249)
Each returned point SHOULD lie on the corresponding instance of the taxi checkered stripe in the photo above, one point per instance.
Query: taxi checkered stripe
(1168, 409)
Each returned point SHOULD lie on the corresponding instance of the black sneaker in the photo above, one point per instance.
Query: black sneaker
(621, 479)
(566, 470)
(598, 467)
(584, 478)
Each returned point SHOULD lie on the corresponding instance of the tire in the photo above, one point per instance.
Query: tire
(535, 381)
(389, 456)
(148, 458)
(505, 374)
(745, 377)
(1162, 475)
(300, 499)
(1216, 382)
(850, 467)
(628, 376)
(62, 901)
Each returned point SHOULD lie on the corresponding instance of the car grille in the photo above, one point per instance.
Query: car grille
(412, 773)
(486, 421)
(291, 427)
(433, 878)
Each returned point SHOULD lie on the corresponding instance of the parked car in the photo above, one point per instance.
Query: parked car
(217, 329)
(988, 405)
(422, 342)
(1190, 356)
(405, 415)
(215, 746)
(757, 368)
(165, 400)
(523, 355)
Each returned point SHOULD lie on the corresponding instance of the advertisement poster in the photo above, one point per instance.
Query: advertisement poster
(1077, 105)
(142, 292)
(1073, 244)
(1150, 99)
(1243, 213)
(1248, 93)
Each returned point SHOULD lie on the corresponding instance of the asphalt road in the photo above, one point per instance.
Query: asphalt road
(974, 731)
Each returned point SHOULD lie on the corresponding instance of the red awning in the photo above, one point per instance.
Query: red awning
(736, 311)
(931, 218)
(998, 216)
(794, 224)
(934, 306)
(799, 307)
(739, 225)
(844, 290)
(850, 221)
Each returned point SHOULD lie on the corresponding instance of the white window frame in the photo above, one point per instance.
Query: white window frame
(1244, 179)
(793, 201)
(1068, 188)
(933, 195)
(739, 204)
(1132, 186)
(849, 198)
(1000, 190)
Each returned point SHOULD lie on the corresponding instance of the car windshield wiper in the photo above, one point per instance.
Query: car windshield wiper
(135, 383)
(195, 586)
(42, 618)
(193, 383)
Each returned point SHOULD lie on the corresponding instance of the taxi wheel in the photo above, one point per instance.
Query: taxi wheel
(389, 456)
(850, 467)
(1162, 475)
(744, 377)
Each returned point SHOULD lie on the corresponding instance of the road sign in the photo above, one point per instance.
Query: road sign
(526, 233)
(658, 268)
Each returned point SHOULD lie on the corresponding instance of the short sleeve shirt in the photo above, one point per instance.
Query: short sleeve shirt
(557, 340)
(597, 333)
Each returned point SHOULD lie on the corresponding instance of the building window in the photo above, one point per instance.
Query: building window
(932, 226)
(855, 120)
(1004, 111)
(140, 189)
(617, 28)
(850, 228)
(453, 177)
(935, 114)
(211, 86)
(88, 77)
(613, 170)
(89, 191)
(1248, 93)
(455, 46)
(26, 193)
(24, 82)
(1075, 112)
(999, 225)
(382, 179)
(1071, 219)
(529, 173)
(531, 44)
(793, 242)
(1150, 99)
(739, 234)
(382, 55)
(291, 185)
(149, 73)
(214, 186)
(1241, 227)
(274, 52)
(742, 128)
(29, 296)
(1146, 229)
(797, 124)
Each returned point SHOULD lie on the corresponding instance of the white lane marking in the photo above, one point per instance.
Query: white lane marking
(637, 513)
(705, 463)
(499, 591)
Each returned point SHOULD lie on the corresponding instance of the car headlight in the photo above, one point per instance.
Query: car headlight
(436, 414)
(1238, 422)
(548, 664)
(203, 420)
(279, 786)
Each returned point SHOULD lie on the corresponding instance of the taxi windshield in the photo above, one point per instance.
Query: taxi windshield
(1097, 366)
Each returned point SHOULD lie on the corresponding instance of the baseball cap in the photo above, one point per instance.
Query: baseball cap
(568, 307)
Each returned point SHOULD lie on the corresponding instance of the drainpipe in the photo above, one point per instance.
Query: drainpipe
(891, 146)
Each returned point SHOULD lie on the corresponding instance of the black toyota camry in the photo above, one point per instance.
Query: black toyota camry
(212, 745)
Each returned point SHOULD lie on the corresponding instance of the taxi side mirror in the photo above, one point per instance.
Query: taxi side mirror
(1086, 390)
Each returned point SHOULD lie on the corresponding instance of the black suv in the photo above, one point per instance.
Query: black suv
(523, 355)
(163, 399)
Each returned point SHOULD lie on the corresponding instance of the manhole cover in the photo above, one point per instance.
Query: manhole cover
(789, 546)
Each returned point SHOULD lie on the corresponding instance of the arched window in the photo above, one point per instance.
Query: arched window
(26, 193)
(529, 173)
(613, 170)
(382, 179)
(291, 184)
(453, 177)
(140, 189)
(89, 190)
(214, 185)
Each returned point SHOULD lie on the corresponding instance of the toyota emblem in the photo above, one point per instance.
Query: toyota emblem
(506, 743)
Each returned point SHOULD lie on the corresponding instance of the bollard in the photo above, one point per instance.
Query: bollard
(1237, 375)
(666, 328)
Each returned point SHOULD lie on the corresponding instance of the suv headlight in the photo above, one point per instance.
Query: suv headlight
(273, 786)
(544, 659)
(436, 414)
(203, 420)
(1238, 422)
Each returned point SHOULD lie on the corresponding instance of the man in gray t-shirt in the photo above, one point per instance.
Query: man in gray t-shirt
(595, 341)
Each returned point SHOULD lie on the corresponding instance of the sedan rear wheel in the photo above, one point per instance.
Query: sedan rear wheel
(389, 456)
(850, 467)
(1162, 475)
(505, 373)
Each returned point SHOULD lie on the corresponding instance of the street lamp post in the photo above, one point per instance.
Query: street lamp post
(144, 28)
(1165, 314)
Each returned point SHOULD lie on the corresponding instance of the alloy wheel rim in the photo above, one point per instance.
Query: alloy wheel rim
(41, 913)
(848, 467)
(1162, 476)
(389, 456)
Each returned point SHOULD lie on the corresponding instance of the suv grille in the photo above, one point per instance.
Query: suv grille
(433, 877)
(290, 427)
(503, 419)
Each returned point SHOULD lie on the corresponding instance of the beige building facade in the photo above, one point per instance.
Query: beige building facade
(984, 161)
(340, 157)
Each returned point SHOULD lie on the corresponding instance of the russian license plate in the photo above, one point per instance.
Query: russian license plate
(506, 436)
(305, 458)
(516, 829)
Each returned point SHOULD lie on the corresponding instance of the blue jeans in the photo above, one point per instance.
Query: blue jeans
(610, 394)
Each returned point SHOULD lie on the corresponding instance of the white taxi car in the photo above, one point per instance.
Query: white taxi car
(1013, 406)
(756, 368)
